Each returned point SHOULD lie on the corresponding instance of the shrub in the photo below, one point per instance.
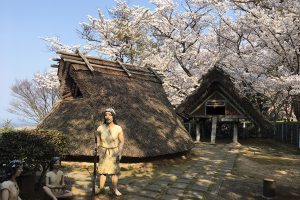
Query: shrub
(34, 147)
(6, 126)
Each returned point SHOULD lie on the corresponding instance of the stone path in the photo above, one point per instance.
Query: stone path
(200, 179)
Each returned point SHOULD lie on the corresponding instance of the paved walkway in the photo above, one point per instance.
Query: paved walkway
(202, 178)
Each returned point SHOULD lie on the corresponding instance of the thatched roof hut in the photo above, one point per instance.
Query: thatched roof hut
(218, 92)
(90, 85)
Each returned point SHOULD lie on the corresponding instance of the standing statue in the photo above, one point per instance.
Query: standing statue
(111, 141)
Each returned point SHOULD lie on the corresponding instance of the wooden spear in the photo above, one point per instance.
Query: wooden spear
(95, 157)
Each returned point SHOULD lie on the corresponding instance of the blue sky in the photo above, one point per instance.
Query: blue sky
(23, 53)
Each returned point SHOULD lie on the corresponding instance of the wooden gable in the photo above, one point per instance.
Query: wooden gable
(218, 102)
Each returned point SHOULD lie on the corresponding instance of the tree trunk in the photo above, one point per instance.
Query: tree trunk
(296, 106)
(269, 188)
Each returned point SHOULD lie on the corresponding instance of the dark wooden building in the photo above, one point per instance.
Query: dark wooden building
(216, 103)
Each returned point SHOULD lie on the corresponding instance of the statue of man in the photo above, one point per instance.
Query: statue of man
(111, 142)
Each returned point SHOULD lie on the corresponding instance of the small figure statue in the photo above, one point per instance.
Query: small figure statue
(55, 183)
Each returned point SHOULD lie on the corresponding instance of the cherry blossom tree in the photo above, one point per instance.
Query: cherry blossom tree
(123, 36)
(257, 42)
(261, 50)
(166, 38)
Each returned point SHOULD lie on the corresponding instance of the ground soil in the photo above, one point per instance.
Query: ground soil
(259, 159)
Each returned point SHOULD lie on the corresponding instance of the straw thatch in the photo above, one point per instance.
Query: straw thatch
(218, 80)
(150, 124)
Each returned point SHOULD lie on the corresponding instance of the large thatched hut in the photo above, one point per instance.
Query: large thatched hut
(217, 106)
(90, 85)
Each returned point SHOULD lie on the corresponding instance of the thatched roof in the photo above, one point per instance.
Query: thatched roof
(90, 85)
(218, 80)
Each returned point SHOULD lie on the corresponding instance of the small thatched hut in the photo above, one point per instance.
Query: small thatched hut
(217, 101)
(90, 85)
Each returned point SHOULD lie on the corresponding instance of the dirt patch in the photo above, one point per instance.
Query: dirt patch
(240, 189)
(259, 159)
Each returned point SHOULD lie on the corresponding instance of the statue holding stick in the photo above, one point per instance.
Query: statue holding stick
(110, 146)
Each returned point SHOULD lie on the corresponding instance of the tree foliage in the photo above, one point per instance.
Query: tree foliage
(33, 99)
(257, 41)
(34, 147)
(262, 51)
(6, 126)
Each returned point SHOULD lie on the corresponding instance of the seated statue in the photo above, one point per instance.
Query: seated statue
(55, 184)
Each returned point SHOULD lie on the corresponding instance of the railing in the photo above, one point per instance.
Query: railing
(287, 132)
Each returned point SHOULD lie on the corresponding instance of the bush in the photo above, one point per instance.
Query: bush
(7, 126)
(34, 147)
